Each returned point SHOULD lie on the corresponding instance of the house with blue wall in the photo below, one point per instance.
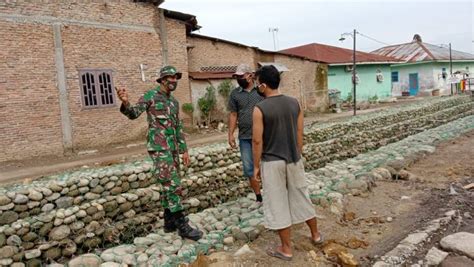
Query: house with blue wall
(425, 67)
(372, 71)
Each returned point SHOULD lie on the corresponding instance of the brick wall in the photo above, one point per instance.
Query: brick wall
(177, 56)
(117, 35)
(123, 52)
(306, 79)
(120, 12)
(205, 52)
(29, 103)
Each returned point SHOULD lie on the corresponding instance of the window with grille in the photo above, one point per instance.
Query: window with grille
(394, 76)
(97, 88)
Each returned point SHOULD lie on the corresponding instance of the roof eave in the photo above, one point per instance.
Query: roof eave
(365, 63)
(189, 20)
(155, 2)
(453, 60)
(431, 61)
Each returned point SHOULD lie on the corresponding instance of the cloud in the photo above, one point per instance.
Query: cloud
(303, 21)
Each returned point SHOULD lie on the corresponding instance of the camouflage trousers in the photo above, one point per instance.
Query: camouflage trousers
(166, 171)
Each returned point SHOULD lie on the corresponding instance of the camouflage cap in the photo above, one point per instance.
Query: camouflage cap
(168, 71)
(242, 69)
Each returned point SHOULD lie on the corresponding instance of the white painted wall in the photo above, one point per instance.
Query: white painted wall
(443, 84)
(429, 76)
(198, 89)
(425, 78)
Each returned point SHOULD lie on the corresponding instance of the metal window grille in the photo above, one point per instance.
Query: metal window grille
(394, 76)
(96, 86)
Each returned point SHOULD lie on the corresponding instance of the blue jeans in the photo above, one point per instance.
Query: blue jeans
(246, 155)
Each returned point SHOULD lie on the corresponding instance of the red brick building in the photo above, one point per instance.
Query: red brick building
(60, 61)
(212, 60)
(54, 53)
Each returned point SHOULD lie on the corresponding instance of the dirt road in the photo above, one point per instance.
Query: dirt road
(378, 221)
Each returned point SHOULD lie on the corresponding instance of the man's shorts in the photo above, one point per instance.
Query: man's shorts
(246, 155)
(286, 199)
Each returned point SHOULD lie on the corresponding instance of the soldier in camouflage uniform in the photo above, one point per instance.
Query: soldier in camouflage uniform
(164, 144)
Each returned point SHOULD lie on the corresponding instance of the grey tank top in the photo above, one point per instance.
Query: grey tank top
(280, 122)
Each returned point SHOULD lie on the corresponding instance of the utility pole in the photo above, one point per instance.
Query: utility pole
(354, 82)
(354, 70)
(451, 78)
(451, 67)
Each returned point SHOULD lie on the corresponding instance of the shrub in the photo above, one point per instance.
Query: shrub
(207, 103)
(188, 108)
(349, 98)
(373, 99)
(225, 88)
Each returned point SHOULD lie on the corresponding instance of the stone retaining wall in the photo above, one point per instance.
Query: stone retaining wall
(243, 219)
(62, 215)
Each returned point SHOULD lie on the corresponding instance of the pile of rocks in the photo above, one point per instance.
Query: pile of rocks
(74, 213)
(343, 141)
(242, 219)
(358, 174)
(460, 243)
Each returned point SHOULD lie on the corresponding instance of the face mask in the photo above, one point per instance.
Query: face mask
(243, 82)
(258, 91)
(172, 85)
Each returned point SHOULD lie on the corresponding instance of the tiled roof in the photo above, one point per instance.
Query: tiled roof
(332, 54)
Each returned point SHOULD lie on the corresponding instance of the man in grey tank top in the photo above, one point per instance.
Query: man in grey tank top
(277, 137)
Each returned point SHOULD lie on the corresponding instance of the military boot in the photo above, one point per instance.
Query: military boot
(184, 229)
(169, 222)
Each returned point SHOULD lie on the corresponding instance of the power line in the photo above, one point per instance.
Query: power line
(373, 39)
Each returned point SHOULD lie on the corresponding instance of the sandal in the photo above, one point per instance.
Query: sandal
(277, 254)
(319, 241)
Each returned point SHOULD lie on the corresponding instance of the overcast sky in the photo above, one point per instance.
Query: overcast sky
(322, 21)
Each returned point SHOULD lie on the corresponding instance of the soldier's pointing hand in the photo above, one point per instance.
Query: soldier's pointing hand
(122, 94)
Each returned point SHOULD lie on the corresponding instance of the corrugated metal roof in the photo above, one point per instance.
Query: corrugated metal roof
(419, 51)
(441, 53)
(333, 54)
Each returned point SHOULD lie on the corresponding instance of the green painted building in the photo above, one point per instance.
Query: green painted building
(371, 80)
(425, 67)
(373, 72)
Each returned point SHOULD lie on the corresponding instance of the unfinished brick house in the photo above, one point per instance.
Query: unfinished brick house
(60, 61)
(212, 60)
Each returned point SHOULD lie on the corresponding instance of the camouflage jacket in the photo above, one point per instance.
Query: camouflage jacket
(165, 129)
